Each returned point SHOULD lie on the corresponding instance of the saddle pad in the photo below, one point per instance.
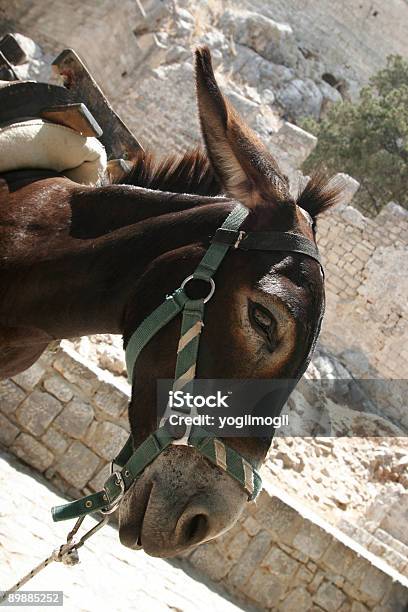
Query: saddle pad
(36, 143)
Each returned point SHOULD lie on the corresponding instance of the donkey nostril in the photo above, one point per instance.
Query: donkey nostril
(196, 528)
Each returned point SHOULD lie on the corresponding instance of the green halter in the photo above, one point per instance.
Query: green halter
(133, 463)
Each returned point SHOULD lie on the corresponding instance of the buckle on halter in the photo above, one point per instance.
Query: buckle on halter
(114, 504)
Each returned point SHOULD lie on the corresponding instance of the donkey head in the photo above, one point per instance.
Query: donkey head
(261, 323)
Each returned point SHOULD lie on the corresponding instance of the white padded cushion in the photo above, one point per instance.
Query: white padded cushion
(41, 144)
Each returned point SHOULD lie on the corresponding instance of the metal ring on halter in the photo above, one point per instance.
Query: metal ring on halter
(111, 508)
(208, 280)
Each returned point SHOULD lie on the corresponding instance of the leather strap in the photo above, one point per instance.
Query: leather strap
(163, 314)
(267, 241)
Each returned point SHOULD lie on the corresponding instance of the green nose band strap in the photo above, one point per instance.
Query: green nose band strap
(134, 463)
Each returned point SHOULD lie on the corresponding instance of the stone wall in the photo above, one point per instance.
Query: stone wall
(64, 418)
(367, 285)
(67, 418)
(282, 557)
(350, 39)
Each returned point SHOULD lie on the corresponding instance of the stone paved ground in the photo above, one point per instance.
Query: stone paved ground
(109, 576)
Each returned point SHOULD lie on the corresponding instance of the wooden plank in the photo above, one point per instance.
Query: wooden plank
(116, 168)
(24, 99)
(118, 140)
(75, 116)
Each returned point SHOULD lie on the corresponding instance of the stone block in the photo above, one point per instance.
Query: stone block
(251, 526)
(297, 601)
(312, 540)
(237, 545)
(37, 411)
(107, 439)
(356, 570)
(58, 482)
(354, 282)
(250, 559)
(354, 217)
(392, 542)
(278, 518)
(361, 253)
(279, 563)
(76, 373)
(55, 441)
(30, 378)
(338, 283)
(98, 481)
(374, 583)
(263, 588)
(329, 597)
(110, 400)
(396, 599)
(77, 465)
(57, 386)
(351, 590)
(75, 418)
(11, 396)
(337, 557)
(296, 141)
(209, 561)
(332, 257)
(350, 187)
(32, 452)
(8, 431)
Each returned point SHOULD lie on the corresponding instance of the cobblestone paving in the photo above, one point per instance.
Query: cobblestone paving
(109, 576)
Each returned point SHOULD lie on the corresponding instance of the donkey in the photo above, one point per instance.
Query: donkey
(78, 260)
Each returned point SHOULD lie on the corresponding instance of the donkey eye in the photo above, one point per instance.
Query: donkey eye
(263, 322)
(261, 317)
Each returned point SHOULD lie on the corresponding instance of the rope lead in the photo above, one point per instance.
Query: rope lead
(67, 554)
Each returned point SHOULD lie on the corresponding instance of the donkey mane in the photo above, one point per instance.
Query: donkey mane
(192, 173)
(189, 173)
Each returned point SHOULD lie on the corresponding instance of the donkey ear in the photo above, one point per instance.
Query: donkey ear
(246, 169)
